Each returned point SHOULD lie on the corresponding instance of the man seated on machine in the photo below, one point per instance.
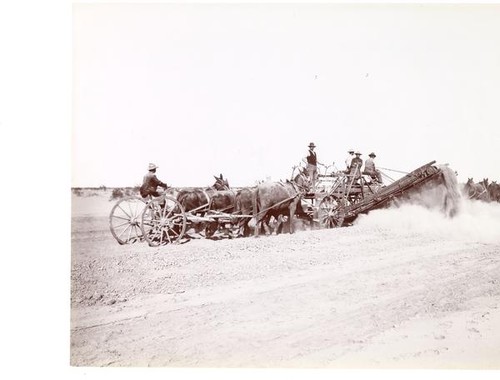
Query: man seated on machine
(371, 170)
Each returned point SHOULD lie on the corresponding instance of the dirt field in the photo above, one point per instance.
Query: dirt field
(404, 288)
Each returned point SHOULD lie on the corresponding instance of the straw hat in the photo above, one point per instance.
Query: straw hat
(358, 152)
(372, 155)
(350, 151)
(152, 166)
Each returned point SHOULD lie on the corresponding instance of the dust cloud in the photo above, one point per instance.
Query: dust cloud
(438, 210)
(475, 221)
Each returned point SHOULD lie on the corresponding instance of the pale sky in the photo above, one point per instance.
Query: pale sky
(242, 89)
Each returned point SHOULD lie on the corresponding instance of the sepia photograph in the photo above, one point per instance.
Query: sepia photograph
(285, 186)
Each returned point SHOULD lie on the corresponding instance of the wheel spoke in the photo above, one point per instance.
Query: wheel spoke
(130, 208)
(126, 228)
(120, 217)
(155, 233)
(169, 213)
(137, 232)
(129, 233)
(174, 230)
(168, 236)
(161, 235)
(125, 212)
(149, 220)
(121, 224)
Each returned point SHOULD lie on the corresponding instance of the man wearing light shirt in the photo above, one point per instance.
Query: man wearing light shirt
(348, 160)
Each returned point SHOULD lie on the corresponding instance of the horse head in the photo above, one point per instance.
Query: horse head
(221, 183)
(484, 182)
(469, 188)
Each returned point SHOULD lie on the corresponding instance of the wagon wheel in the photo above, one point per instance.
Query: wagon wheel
(163, 222)
(331, 212)
(125, 220)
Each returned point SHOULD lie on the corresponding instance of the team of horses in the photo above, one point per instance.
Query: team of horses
(263, 206)
(482, 191)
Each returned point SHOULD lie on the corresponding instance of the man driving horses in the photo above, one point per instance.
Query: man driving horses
(150, 183)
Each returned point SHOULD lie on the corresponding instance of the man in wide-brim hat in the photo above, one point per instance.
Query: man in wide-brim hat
(371, 170)
(150, 183)
(356, 164)
(312, 164)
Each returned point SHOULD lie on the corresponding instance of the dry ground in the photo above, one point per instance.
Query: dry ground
(381, 294)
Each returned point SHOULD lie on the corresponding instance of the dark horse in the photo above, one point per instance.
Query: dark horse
(478, 191)
(219, 197)
(279, 199)
(494, 191)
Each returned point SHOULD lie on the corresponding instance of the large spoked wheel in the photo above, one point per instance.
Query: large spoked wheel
(163, 222)
(125, 220)
(331, 212)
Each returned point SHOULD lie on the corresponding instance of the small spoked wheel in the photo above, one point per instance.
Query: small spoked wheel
(163, 222)
(331, 212)
(125, 220)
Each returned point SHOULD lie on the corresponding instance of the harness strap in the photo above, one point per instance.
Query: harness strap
(476, 192)
(207, 197)
(262, 212)
(471, 196)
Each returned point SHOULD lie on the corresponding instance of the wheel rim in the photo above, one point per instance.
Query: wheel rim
(125, 220)
(330, 213)
(163, 224)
